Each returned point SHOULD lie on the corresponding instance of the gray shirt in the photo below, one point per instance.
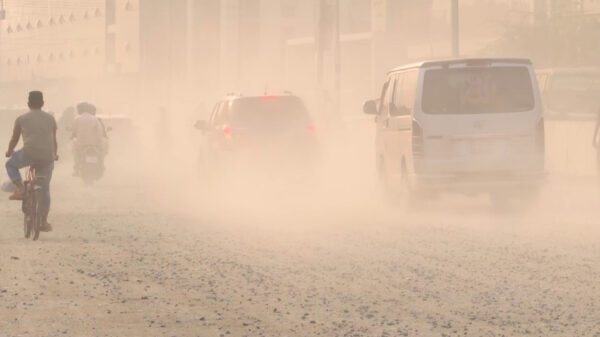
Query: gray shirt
(37, 129)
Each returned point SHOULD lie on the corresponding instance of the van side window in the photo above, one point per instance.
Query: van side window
(406, 90)
(384, 91)
(387, 101)
(396, 108)
(410, 89)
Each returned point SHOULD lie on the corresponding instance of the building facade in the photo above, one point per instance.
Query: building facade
(67, 39)
(179, 48)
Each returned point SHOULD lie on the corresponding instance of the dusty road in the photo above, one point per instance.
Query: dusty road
(125, 260)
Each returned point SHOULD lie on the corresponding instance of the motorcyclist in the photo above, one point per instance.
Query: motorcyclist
(93, 111)
(88, 131)
(64, 125)
(40, 150)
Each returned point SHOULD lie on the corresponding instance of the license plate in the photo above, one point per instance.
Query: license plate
(91, 160)
(480, 147)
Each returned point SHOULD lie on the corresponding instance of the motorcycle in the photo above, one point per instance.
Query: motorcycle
(91, 168)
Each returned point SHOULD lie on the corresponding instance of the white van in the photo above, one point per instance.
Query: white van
(467, 125)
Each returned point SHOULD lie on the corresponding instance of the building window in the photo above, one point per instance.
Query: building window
(86, 15)
(51, 22)
(19, 28)
(97, 13)
(29, 26)
(61, 19)
(72, 17)
(9, 30)
(39, 24)
(128, 6)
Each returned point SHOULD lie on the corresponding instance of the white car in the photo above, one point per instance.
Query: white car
(570, 93)
(467, 125)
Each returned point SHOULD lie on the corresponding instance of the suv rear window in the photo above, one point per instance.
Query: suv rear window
(279, 111)
(477, 90)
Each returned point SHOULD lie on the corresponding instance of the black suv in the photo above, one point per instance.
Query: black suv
(257, 130)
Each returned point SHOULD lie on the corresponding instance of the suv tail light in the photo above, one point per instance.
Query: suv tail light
(418, 146)
(227, 132)
(540, 136)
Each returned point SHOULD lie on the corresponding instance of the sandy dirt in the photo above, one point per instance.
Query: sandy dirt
(133, 258)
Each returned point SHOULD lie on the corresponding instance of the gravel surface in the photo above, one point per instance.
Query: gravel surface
(125, 260)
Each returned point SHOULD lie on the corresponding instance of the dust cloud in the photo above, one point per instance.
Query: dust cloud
(158, 246)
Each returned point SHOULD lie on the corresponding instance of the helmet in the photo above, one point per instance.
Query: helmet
(82, 107)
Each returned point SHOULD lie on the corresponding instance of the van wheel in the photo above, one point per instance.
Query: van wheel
(385, 182)
(412, 198)
(396, 194)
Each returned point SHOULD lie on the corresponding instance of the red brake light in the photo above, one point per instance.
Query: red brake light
(311, 127)
(227, 130)
(268, 98)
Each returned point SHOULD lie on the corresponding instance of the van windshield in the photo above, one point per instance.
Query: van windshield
(477, 90)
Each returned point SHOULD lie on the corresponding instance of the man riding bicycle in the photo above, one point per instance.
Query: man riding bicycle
(40, 150)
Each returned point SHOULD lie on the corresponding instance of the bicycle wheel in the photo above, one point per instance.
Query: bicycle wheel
(36, 215)
(27, 225)
(27, 220)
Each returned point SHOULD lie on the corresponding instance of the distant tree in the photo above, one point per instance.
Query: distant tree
(562, 40)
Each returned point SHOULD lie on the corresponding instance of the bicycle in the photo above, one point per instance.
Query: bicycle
(32, 222)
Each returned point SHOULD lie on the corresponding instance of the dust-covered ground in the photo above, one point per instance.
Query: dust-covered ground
(148, 252)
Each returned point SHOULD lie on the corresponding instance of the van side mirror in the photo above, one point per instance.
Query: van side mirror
(370, 107)
(201, 125)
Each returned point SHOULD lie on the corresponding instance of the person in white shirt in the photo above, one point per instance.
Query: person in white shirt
(88, 131)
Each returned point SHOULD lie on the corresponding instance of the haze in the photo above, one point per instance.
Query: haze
(295, 233)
